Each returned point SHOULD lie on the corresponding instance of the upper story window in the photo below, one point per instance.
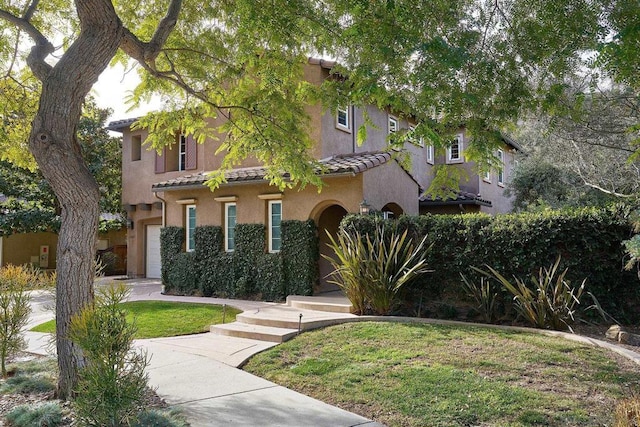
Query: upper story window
(343, 118)
(393, 124)
(501, 167)
(420, 140)
(180, 156)
(454, 151)
(136, 148)
(182, 153)
(430, 154)
(229, 226)
(190, 226)
(487, 176)
(275, 218)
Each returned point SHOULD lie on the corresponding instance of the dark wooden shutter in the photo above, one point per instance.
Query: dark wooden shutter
(191, 161)
(160, 165)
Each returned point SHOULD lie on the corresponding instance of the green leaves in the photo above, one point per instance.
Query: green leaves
(372, 269)
(548, 302)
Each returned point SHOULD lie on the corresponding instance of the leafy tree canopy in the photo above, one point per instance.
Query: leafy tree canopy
(478, 63)
(29, 204)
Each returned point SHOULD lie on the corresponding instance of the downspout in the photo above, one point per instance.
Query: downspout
(1, 250)
(164, 213)
(353, 129)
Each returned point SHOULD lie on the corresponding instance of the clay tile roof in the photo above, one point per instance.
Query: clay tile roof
(463, 197)
(344, 164)
(119, 125)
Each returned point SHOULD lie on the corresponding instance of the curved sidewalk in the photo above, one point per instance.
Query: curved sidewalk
(198, 373)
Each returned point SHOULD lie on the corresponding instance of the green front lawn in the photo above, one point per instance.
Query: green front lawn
(166, 319)
(426, 375)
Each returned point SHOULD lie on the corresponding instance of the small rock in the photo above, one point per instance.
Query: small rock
(613, 332)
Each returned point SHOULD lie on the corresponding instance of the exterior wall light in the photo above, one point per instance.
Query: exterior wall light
(365, 208)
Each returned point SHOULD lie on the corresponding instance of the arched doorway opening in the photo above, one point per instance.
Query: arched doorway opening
(392, 211)
(328, 221)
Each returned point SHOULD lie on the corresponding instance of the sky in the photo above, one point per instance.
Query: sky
(112, 89)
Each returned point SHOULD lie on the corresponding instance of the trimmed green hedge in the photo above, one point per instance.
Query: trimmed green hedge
(589, 241)
(171, 242)
(246, 272)
(300, 253)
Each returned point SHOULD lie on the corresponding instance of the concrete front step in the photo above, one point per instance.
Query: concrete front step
(286, 317)
(334, 304)
(256, 332)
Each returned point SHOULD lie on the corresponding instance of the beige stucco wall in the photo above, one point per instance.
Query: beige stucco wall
(136, 239)
(19, 248)
(390, 184)
(345, 191)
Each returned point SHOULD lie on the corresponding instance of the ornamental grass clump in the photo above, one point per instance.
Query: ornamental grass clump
(113, 383)
(548, 302)
(372, 270)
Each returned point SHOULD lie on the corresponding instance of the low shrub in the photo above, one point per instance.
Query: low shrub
(43, 415)
(487, 298)
(112, 385)
(14, 311)
(373, 269)
(548, 302)
(25, 384)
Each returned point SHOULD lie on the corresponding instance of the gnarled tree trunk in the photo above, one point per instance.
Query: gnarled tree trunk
(55, 147)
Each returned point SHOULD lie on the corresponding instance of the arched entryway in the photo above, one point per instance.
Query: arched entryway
(328, 219)
(393, 210)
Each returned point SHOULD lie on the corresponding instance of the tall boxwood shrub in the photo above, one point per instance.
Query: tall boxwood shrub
(182, 277)
(270, 277)
(300, 254)
(171, 241)
(218, 277)
(209, 240)
(250, 245)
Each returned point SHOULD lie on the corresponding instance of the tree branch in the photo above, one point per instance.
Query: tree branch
(610, 192)
(147, 52)
(42, 48)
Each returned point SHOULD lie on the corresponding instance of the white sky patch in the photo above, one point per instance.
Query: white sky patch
(113, 88)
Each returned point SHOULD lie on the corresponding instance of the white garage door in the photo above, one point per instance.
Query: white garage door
(153, 269)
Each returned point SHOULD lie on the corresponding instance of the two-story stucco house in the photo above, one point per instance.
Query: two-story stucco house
(168, 189)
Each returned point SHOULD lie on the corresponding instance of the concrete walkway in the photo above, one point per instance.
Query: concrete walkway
(199, 372)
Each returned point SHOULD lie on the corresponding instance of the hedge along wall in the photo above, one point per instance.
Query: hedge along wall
(246, 272)
(588, 240)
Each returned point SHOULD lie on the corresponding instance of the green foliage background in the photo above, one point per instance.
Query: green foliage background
(246, 272)
(589, 240)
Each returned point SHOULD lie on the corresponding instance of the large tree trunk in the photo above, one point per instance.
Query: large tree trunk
(55, 147)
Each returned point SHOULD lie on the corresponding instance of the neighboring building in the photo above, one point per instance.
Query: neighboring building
(480, 192)
(40, 249)
(168, 189)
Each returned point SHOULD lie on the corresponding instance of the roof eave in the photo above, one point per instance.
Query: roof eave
(476, 202)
